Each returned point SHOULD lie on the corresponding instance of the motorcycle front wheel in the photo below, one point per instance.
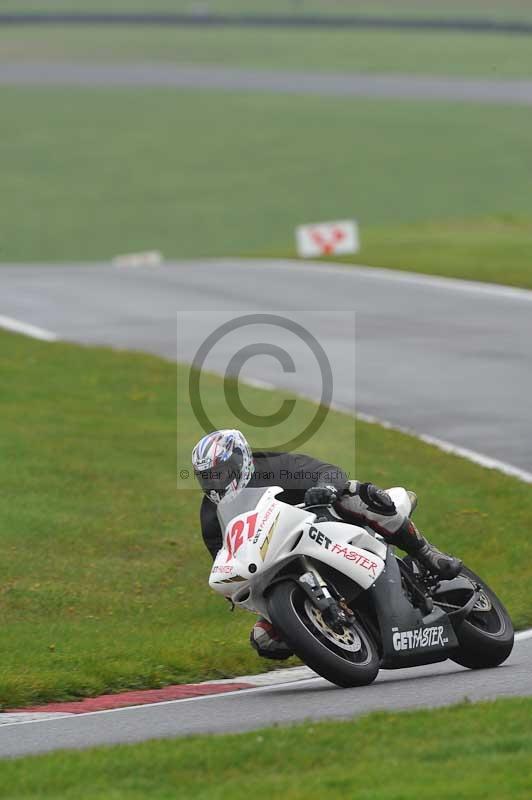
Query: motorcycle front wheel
(346, 658)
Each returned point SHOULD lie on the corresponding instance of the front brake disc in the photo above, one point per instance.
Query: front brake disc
(348, 639)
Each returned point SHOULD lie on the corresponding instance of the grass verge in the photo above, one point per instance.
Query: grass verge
(103, 574)
(473, 752)
(93, 173)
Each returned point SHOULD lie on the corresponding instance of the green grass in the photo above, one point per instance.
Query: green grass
(368, 51)
(466, 752)
(511, 9)
(103, 578)
(93, 173)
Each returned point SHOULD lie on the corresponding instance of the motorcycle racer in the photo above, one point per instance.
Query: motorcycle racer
(224, 464)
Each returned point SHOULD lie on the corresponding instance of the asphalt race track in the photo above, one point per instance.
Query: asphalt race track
(430, 686)
(511, 92)
(444, 358)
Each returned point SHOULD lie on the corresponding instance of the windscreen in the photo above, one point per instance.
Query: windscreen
(245, 500)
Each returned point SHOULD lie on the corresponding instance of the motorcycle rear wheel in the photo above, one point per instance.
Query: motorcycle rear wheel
(486, 636)
(349, 658)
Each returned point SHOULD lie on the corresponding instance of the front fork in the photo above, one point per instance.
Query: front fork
(334, 610)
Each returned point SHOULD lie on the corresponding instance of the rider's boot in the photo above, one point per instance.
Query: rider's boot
(409, 539)
(267, 642)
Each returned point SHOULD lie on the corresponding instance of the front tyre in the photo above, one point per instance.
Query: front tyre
(486, 636)
(349, 658)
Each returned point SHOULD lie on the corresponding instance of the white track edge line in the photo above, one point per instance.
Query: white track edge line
(488, 462)
(448, 447)
(383, 273)
(17, 326)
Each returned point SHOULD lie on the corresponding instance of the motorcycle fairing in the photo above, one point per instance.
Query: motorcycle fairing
(262, 535)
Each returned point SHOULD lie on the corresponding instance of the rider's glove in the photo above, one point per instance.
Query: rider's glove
(321, 496)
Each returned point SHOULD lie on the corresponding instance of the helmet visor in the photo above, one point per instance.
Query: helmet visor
(219, 477)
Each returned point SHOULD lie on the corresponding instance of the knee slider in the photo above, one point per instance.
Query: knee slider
(377, 500)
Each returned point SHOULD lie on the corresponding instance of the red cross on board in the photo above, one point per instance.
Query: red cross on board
(327, 245)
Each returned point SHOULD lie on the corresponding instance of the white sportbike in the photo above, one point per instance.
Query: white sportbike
(342, 600)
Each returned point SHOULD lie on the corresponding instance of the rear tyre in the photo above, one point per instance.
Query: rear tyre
(349, 658)
(486, 636)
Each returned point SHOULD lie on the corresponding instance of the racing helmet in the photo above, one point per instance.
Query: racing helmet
(223, 464)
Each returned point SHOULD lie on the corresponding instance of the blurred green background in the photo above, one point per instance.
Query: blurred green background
(440, 187)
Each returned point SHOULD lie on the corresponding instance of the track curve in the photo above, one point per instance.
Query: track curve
(444, 358)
